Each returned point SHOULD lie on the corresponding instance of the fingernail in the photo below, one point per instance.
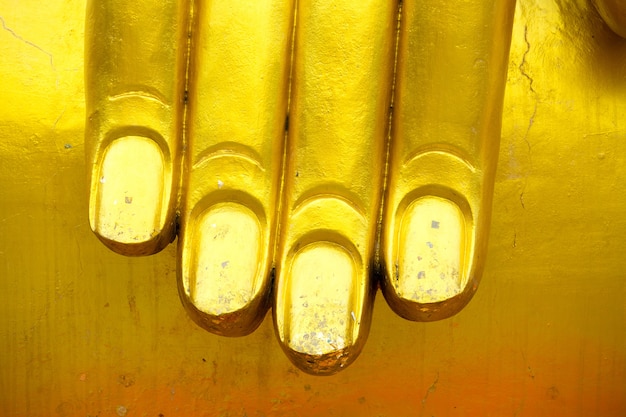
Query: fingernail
(225, 263)
(431, 253)
(129, 188)
(320, 310)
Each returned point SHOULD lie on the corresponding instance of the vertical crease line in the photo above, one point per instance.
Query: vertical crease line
(388, 144)
(283, 166)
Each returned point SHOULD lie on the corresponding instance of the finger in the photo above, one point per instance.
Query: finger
(134, 81)
(238, 100)
(446, 129)
(335, 161)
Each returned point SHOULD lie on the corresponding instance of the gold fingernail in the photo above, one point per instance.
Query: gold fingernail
(127, 193)
(318, 309)
(224, 269)
(431, 251)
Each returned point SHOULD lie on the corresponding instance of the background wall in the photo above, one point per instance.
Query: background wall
(86, 332)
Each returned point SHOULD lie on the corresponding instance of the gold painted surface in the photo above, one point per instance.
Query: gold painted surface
(89, 332)
(340, 153)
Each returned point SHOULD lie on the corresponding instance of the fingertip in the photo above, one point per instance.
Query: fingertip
(431, 251)
(223, 269)
(127, 197)
(322, 311)
(431, 260)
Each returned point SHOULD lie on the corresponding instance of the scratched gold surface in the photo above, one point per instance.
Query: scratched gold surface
(87, 332)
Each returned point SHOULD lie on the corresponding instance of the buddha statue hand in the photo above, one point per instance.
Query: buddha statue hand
(299, 155)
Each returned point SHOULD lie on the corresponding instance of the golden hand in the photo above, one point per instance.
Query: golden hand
(191, 130)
